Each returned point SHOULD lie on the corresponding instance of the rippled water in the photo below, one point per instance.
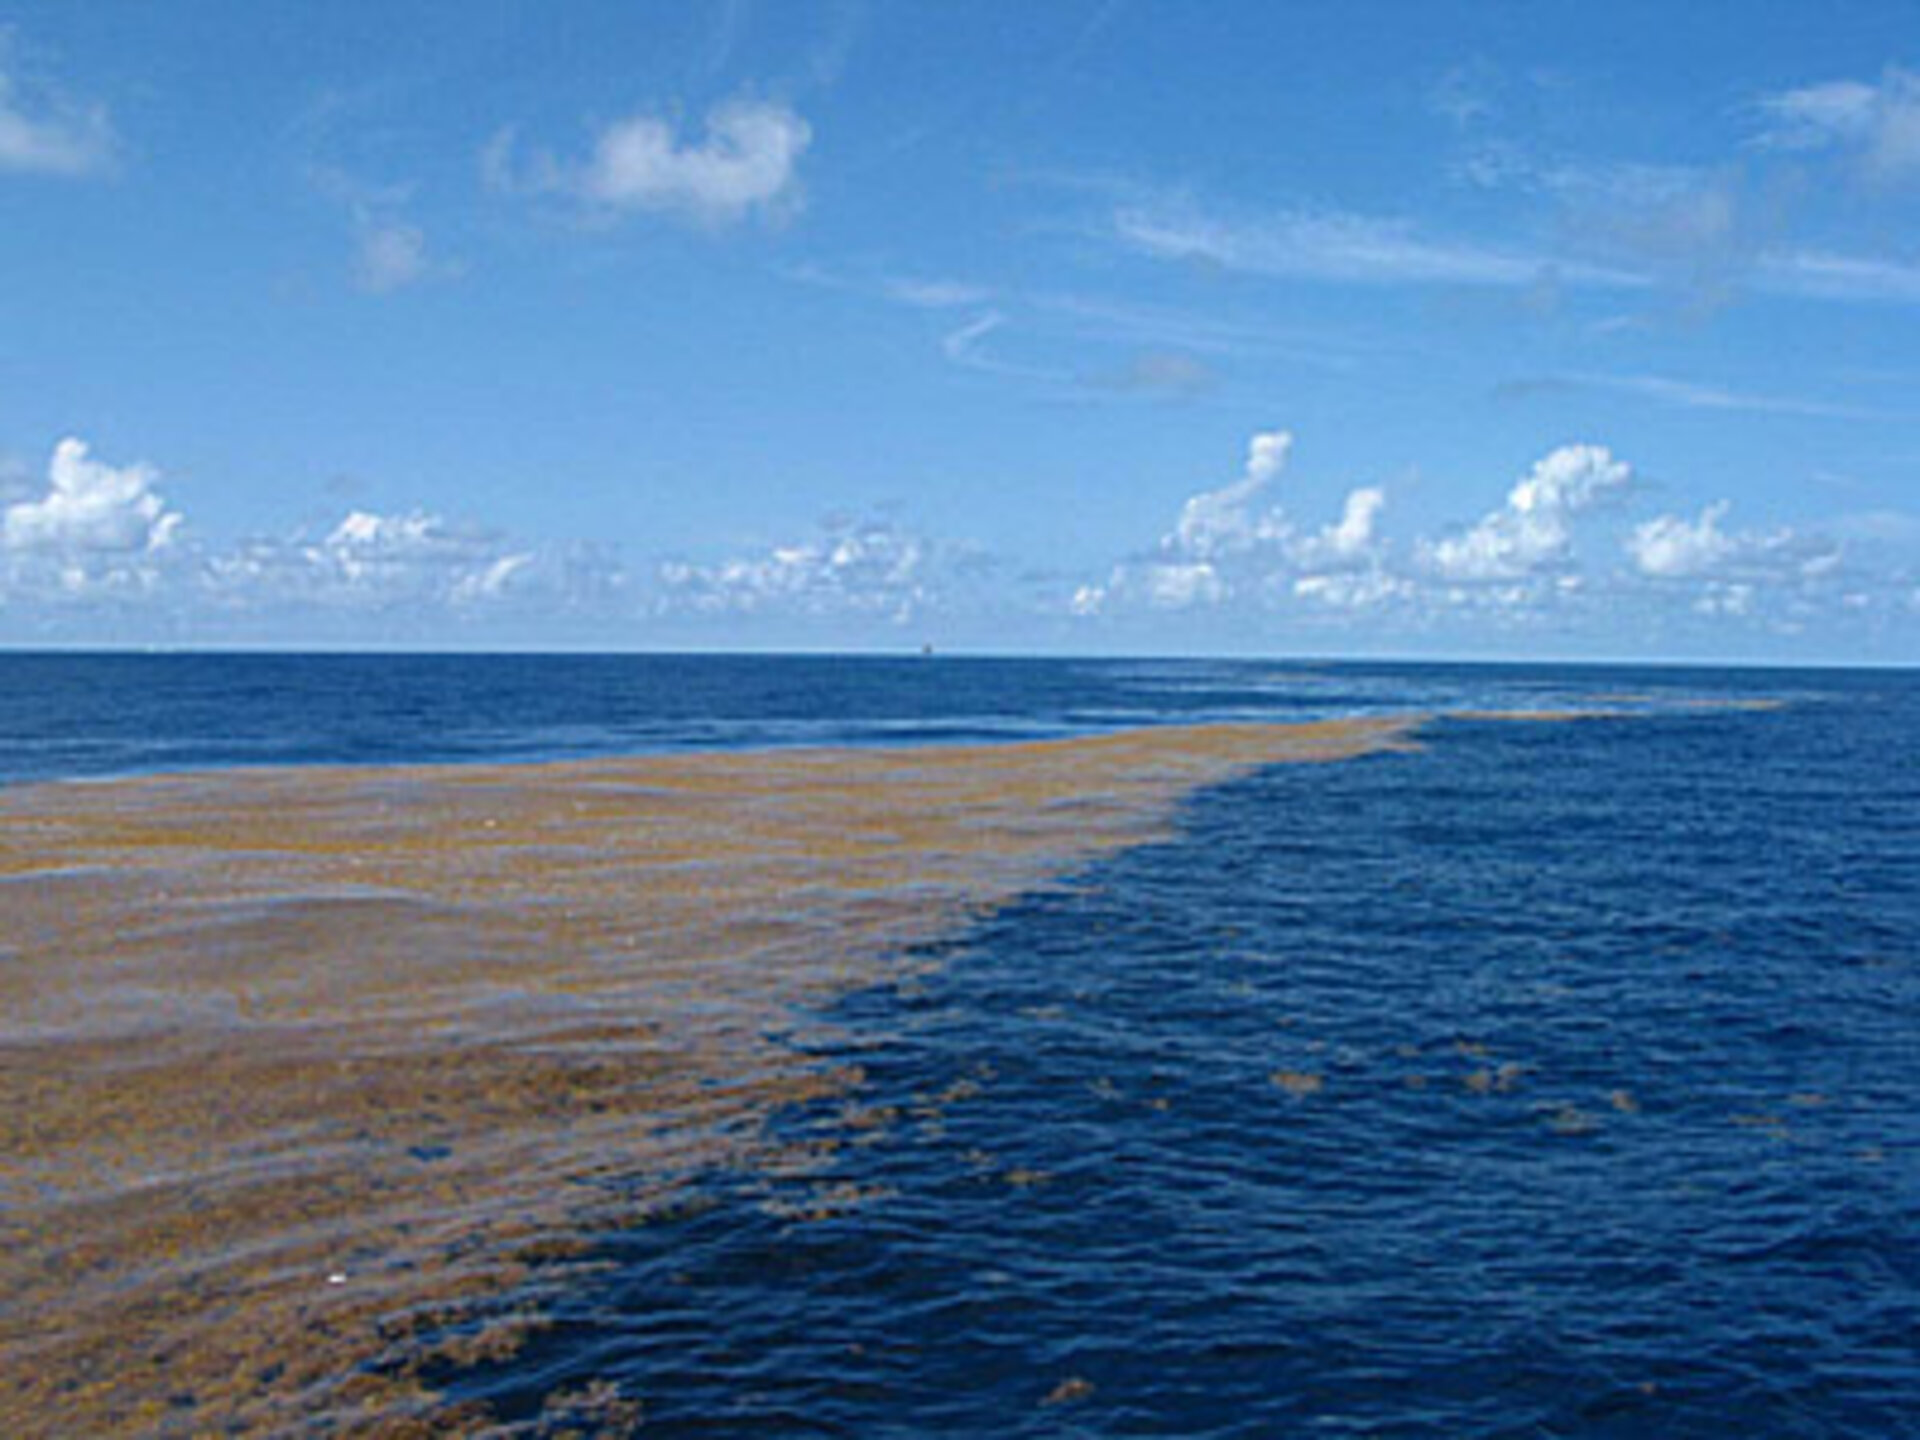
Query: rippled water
(1554, 1078)
(1557, 1080)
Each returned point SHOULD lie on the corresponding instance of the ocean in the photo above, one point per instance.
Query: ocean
(66, 716)
(1545, 1067)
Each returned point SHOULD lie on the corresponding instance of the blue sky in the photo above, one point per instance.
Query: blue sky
(1520, 331)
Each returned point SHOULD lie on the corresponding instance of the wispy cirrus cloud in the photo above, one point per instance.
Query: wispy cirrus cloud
(1340, 246)
(1167, 374)
(914, 291)
(1465, 95)
(1684, 394)
(923, 293)
(1824, 275)
(1164, 348)
(1131, 322)
(390, 251)
(1876, 124)
(966, 346)
(390, 255)
(1742, 223)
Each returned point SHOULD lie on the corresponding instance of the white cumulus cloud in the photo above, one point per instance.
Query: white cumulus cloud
(1533, 531)
(1350, 540)
(874, 568)
(1088, 600)
(90, 506)
(100, 539)
(1732, 600)
(1214, 528)
(1353, 590)
(417, 555)
(1532, 566)
(373, 562)
(1669, 546)
(1235, 542)
(1227, 520)
(1735, 573)
(1176, 585)
(415, 567)
(745, 164)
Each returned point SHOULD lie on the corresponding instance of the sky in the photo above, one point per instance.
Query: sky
(1102, 326)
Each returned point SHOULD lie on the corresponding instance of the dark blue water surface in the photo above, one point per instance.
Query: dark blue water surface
(75, 715)
(1555, 1079)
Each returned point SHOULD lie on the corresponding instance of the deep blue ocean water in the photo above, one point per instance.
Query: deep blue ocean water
(64, 716)
(1555, 1079)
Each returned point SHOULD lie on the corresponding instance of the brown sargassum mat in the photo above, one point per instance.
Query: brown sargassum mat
(311, 1077)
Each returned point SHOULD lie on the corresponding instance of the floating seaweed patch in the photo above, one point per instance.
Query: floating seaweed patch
(422, 1029)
